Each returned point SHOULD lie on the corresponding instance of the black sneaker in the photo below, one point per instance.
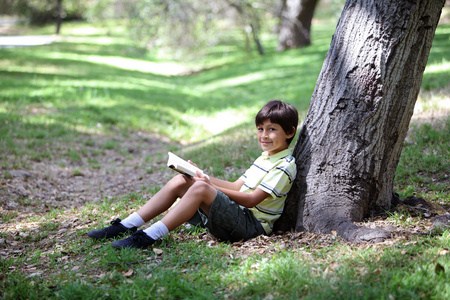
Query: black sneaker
(116, 229)
(139, 240)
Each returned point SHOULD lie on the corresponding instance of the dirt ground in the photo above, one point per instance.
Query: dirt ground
(44, 185)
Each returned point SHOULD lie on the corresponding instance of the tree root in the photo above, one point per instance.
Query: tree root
(356, 234)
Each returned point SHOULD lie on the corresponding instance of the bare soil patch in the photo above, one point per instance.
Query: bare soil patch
(60, 183)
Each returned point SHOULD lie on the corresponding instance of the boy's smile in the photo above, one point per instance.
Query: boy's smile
(272, 137)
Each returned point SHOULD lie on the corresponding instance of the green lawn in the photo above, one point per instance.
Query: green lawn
(57, 101)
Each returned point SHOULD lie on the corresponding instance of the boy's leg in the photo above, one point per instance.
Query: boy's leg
(159, 203)
(133, 220)
(200, 194)
(164, 199)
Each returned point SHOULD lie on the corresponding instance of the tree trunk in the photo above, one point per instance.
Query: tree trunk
(251, 20)
(256, 40)
(352, 137)
(295, 23)
(59, 12)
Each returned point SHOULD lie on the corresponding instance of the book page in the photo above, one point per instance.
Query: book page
(178, 164)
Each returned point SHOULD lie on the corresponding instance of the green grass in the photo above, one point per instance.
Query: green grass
(424, 168)
(71, 87)
(72, 101)
(193, 269)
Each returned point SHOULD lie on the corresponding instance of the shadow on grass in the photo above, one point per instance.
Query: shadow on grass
(87, 93)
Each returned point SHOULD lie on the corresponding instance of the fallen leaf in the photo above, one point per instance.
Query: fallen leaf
(443, 252)
(334, 265)
(158, 251)
(255, 266)
(35, 274)
(128, 273)
(362, 271)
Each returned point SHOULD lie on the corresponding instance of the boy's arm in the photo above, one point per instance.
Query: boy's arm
(234, 186)
(246, 199)
(231, 189)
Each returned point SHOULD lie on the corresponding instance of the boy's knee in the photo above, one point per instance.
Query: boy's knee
(181, 180)
(202, 188)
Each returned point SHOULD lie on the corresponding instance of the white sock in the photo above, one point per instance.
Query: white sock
(133, 220)
(157, 230)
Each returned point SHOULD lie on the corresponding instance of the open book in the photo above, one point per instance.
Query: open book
(182, 166)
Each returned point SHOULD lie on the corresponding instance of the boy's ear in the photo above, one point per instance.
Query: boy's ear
(289, 135)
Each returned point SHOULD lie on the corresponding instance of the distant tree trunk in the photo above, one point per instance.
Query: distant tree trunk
(295, 23)
(255, 35)
(352, 137)
(251, 20)
(58, 15)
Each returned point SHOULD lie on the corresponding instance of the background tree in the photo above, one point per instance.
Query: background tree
(192, 26)
(295, 23)
(59, 15)
(250, 20)
(40, 12)
(183, 26)
(352, 137)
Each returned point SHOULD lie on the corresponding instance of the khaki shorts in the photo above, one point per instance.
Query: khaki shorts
(228, 221)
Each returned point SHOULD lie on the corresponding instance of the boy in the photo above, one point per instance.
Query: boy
(231, 211)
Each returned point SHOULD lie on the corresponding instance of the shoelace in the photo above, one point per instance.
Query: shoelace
(113, 223)
(141, 238)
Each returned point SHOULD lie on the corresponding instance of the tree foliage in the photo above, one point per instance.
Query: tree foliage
(195, 25)
(174, 24)
(40, 12)
(189, 26)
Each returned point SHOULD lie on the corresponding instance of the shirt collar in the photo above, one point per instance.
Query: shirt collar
(277, 156)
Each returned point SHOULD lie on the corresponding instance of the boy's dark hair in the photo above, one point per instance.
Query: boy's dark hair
(280, 113)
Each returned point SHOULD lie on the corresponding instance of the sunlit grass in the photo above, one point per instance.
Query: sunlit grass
(438, 68)
(76, 82)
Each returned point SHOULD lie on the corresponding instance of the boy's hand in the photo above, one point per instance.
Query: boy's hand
(192, 163)
(203, 177)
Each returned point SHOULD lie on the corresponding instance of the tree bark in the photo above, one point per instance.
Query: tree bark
(351, 140)
(295, 23)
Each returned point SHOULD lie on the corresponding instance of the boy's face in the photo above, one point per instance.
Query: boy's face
(272, 137)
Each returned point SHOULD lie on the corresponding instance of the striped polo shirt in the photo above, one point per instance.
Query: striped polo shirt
(274, 175)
